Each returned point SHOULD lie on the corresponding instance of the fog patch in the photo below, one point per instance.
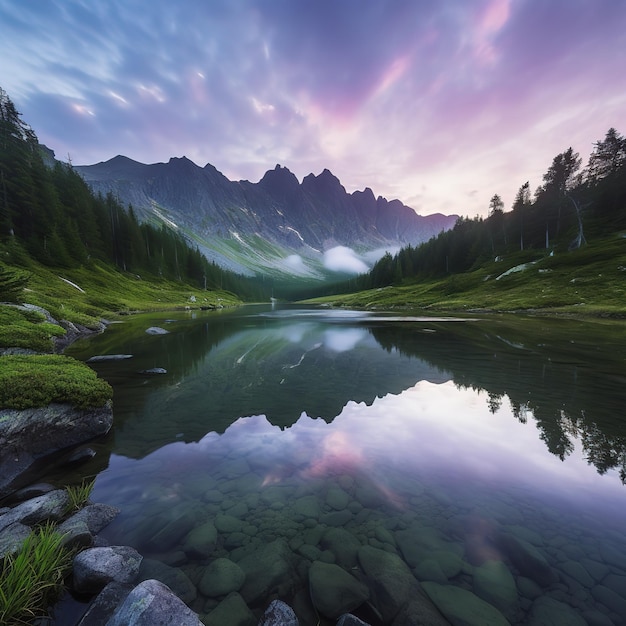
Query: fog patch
(372, 256)
(295, 263)
(343, 259)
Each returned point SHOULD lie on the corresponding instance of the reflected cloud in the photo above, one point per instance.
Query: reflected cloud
(343, 339)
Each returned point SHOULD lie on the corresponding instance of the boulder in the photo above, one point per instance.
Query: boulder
(343, 545)
(96, 567)
(12, 537)
(233, 611)
(150, 603)
(334, 591)
(494, 583)
(200, 542)
(389, 579)
(104, 604)
(220, 578)
(50, 506)
(527, 559)
(270, 569)
(420, 610)
(94, 516)
(29, 436)
(462, 607)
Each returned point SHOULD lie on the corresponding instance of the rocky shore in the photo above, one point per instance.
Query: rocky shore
(112, 577)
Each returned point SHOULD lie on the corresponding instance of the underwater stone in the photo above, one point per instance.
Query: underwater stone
(200, 542)
(343, 544)
(390, 581)
(546, 610)
(233, 611)
(494, 583)
(334, 591)
(156, 330)
(173, 577)
(220, 578)
(462, 607)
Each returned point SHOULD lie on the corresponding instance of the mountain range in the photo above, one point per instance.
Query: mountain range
(275, 226)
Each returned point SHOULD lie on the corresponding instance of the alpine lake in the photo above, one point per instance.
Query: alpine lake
(351, 461)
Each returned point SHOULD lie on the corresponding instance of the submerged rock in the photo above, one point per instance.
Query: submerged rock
(334, 591)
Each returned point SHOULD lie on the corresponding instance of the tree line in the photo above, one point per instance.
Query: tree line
(49, 213)
(570, 207)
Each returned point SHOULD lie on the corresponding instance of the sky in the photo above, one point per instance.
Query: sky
(439, 103)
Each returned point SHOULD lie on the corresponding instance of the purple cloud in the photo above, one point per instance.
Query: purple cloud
(426, 102)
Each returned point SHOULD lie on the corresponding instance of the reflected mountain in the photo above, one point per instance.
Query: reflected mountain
(282, 363)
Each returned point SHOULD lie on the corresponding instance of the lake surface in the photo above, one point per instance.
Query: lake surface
(290, 452)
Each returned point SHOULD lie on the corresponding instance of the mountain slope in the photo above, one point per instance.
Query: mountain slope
(277, 225)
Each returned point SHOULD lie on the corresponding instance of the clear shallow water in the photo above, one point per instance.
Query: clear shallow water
(481, 455)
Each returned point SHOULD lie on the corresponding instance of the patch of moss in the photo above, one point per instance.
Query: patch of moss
(26, 329)
(28, 381)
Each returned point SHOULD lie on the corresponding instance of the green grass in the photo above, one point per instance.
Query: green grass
(26, 329)
(586, 282)
(33, 576)
(79, 494)
(37, 380)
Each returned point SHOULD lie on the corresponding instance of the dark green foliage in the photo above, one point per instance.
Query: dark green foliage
(53, 215)
(12, 283)
(570, 209)
(40, 379)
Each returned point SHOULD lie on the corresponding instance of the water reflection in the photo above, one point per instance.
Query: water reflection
(461, 447)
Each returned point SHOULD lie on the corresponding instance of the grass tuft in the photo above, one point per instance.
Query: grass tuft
(79, 494)
(33, 577)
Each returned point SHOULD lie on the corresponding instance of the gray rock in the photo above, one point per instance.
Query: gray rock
(200, 542)
(94, 516)
(389, 579)
(156, 330)
(154, 371)
(547, 611)
(334, 591)
(232, 610)
(99, 358)
(220, 578)
(50, 506)
(76, 535)
(12, 537)
(32, 491)
(96, 567)
(462, 607)
(31, 435)
(105, 603)
(151, 603)
(174, 578)
(278, 614)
